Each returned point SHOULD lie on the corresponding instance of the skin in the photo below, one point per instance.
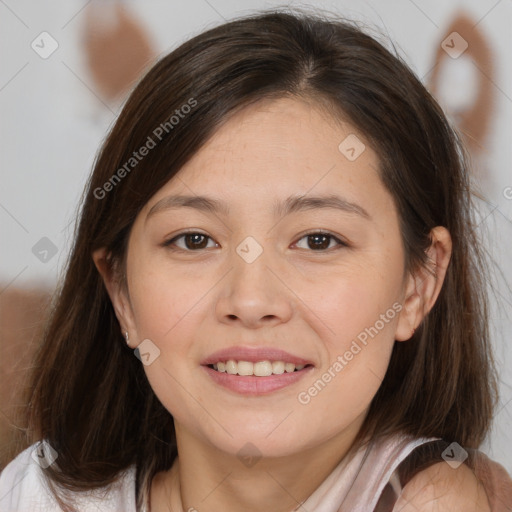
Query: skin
(309, 301)
(441, 488)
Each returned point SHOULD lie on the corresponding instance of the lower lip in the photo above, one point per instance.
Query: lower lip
(251, 385)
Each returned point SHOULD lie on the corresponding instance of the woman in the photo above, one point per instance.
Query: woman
(275, 300)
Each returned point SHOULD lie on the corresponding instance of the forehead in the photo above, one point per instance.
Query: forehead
(275, 150)
(278, 143)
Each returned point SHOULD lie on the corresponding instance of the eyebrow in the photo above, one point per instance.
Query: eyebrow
(290, 205)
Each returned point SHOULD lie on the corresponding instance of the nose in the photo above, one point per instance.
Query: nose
(254, 293)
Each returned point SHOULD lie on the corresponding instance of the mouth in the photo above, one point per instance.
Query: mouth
(255, 371)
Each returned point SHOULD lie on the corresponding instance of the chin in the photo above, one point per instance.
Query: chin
(256, 442)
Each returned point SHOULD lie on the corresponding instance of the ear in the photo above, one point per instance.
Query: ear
(117, 293)
(422, 288)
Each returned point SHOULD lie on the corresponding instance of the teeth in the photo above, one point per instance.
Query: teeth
(278, 367)
(259, 369)
(231, 367)
(246, 368)
(289, 367)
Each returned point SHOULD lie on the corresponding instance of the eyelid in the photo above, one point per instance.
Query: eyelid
(340, 240)
(168, 241)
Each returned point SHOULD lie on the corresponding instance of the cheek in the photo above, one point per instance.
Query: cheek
(342, 389)
(361, 306)
(361, 312)
(163, 305)
(161, 300)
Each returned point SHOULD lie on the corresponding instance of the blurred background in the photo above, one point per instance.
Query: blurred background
(68, 65)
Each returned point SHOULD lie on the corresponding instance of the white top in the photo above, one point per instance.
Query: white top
(355, 484)
(23, 489)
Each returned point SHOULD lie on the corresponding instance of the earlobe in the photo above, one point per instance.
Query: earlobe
(409, 315)
(423, 287)
(115, 291)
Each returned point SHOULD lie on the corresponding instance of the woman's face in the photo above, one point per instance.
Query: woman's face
(250, 286)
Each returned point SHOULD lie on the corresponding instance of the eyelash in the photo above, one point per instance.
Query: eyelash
(168, 244)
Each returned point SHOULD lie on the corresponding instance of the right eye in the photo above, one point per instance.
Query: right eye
(193, 240)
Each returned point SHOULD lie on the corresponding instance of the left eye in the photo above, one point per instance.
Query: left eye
(321, 241)
(318, 241)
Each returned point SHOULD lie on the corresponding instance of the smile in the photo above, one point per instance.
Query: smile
(255, 371)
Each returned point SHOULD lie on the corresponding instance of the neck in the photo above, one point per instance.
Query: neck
(207, 479)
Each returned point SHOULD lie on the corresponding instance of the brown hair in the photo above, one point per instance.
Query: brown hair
(91, 399)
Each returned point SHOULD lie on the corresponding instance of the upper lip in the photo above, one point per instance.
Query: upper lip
(253, 355)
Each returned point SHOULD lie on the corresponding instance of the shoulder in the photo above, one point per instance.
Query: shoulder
(23, 486)
(441, 488)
